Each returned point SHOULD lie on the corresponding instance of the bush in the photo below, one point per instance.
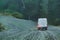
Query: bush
(18, 15)
(57, 22)
(1, 27)
(12, 13)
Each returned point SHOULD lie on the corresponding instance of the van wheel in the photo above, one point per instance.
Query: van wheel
(44, 28)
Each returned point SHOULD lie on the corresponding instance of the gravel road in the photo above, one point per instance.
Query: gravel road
(19, 29)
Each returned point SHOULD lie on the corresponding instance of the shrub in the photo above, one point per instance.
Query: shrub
(12, 13)
(57, 22)
(17, 15)
(1, 27)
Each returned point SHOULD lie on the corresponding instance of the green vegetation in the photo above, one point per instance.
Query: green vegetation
(1, 27)
(12, 13)
(54, 12)
(32, 9)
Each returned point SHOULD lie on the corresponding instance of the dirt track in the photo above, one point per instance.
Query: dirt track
(25, 30)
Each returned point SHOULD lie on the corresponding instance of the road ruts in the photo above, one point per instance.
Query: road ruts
(20, 29)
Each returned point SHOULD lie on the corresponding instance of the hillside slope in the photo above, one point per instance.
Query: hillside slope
(19, 29)
(14, 26)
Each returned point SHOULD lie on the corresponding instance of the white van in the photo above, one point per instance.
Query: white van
(42, 24)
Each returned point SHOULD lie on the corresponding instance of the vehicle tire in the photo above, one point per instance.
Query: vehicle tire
(45, 28)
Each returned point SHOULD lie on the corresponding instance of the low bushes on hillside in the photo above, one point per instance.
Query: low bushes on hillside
(12, 13)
